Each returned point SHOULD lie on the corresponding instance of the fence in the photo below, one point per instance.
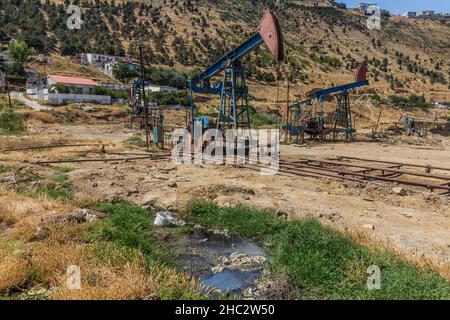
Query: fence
(63, 98)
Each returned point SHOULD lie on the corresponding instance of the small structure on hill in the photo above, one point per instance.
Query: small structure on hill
(68, 84)
(97, 59)
(64, 89)
(156, 88)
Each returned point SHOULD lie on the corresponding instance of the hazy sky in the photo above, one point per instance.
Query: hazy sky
(400, 6)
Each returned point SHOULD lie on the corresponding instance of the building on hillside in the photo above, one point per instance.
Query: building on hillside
(75, 85)
(109, 67)
(155, 88)
(442, 105)
(339, 5)
(75, 89)
(97, 59)
(364, 6)
(442, 17)
(409, 14)
(426, 14)
(368, 9)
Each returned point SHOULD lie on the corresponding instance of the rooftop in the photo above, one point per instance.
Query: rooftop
(73, 80)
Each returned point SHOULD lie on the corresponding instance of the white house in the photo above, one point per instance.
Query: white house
(442, 105)
(80, 90)
(410, 14)
(442, 16)
(156, 88)
(426, 13)
(363, 6)
(96, 58)
(74, 84)
(101, 59)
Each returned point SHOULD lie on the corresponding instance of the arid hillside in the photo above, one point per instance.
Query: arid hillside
(324, 44)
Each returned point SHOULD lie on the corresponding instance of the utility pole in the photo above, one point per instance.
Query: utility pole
(7, 90)
(144, 97)
(287, 107)
(9, 99)
(379, 118)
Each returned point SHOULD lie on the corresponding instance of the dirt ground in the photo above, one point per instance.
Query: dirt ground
(417, 223)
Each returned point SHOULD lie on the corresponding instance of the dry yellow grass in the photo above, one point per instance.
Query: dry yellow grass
(363, 238)
(14, 270)
(127, 281)
(21, 215)
(44, 261)
(115, 277)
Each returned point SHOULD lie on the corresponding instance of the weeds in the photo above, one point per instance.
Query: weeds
(119, 258)
(11, 122)
(130, 231)
(4, 168)
(62, 170)
(260, 118)
(58, 188)
(331, 264)
(238, 220)
(136, 141)
(323, 262)
(130, 226)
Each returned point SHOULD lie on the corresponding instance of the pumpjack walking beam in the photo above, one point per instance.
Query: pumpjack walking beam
(343, 115)
(234, 110)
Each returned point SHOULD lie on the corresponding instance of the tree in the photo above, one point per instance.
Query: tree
(123, 71)
(19, 51)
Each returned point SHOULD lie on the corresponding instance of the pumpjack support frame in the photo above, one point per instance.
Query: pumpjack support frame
(234, 109)
(342, 118)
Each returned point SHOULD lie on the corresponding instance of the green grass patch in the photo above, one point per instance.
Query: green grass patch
(130, 226)
(136, 141)
(260, 118)
(4, 168)
(238, 220)
(62, 170)
(323, 262)
(330, 264)
(183, 230)
(11, 122)
(130, 231)
(59, 187)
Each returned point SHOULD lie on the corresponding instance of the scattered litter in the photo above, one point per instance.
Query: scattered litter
(399, 191)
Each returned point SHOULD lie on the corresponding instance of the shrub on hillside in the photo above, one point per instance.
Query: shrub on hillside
(113, 93)
(413, 101)
(168, 98)
(10, 122)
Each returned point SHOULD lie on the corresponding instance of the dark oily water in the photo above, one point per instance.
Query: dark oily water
(231, 280)
(223, 263)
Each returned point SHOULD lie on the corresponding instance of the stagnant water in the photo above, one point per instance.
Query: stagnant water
(226, 264)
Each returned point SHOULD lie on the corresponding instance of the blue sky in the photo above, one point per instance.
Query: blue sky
(400, 6)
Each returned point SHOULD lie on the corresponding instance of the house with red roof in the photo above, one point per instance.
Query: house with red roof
(74, 85)
(65, 89)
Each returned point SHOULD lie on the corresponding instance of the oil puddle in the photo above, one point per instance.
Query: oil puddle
(224, 264)
(231, 280)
